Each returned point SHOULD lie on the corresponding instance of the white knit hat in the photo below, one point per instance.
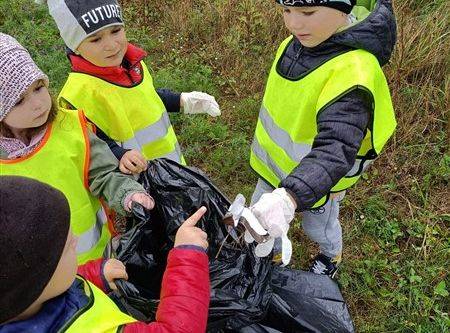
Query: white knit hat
(78, 19)
(17, 72)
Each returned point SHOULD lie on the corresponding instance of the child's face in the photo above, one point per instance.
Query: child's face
(313, 25)
(32, 109)
(106, 48)
(65, 272)
(61, 279)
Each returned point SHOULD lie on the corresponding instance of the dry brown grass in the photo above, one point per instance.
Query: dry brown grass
(236, 38)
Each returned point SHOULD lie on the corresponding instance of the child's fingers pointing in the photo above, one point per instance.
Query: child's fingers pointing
(194, 218)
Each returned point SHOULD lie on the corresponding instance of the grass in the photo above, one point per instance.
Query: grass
(396, 220)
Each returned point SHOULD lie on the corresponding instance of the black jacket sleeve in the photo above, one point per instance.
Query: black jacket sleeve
(117, 150)
(170, 99)
(341, 128)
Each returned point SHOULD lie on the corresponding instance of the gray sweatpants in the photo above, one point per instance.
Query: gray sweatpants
(320, 225)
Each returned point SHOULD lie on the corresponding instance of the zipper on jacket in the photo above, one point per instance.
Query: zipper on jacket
(297, 56)
(130, 77)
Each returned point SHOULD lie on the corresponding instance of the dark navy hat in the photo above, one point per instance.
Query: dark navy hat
(34, 225)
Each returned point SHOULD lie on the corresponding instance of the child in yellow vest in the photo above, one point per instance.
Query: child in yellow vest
(40, 291)
(110, 82)
(55, 146)
(325, 116)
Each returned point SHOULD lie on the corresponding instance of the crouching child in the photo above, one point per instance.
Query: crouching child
(40, 290)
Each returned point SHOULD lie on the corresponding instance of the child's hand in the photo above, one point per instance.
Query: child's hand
(275, 211)
(114, 269)
(199, 102)
(142, 198)
(189, 234)
(132, 162)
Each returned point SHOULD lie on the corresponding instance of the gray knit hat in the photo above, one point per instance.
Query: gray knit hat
(17, 72)
(34, 224)
(345, 6)
(78, 19)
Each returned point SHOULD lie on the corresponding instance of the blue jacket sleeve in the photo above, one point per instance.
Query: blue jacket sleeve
(117, 150)
(170, 99)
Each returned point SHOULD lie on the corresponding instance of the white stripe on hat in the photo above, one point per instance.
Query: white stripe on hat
(70, 30)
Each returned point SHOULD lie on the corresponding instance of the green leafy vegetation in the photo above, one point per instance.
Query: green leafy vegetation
(396, 220)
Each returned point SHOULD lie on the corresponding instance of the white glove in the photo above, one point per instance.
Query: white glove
(199, 102)
(264, 249)
(275, 211)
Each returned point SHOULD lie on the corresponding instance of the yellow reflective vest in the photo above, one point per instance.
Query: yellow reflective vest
(287, 124)
(99, 315)
(62, 161)
(135, 117)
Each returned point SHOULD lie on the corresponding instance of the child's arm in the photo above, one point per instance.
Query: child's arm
(170, 99)
(341, 129)
(117, 150)
(102, 273)
(91, 271)
(184, 295)
(185, 287)
(105, 181)
(131, 161)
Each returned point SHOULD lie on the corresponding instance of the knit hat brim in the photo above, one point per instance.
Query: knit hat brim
(17, 73)
(34, 224)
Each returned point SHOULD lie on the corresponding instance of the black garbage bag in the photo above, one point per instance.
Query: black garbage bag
(240, 281)
(306, 302)
(247, 293)
(140, 249)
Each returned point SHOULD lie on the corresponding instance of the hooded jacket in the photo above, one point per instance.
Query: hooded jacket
(342, 125)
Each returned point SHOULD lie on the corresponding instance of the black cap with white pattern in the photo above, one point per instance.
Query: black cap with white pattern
(345, 6)
(78, 19)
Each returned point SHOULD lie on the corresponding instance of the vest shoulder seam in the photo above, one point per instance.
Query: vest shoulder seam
(303, 75)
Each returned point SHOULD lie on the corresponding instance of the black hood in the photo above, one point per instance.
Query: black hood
(377, 33)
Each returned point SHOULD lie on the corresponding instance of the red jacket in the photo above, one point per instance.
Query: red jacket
(184, 293)
(126, 76)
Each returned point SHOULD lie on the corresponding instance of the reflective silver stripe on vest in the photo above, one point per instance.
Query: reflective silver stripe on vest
(296, 151)
(175, 155)
(267, 160)
(154, 132)
(354, 171)
(130, 144)
(89, 239)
